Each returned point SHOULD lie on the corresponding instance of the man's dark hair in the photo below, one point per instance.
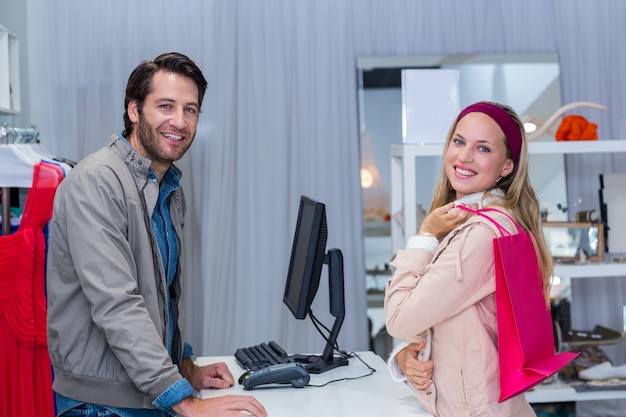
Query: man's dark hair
(140, 80)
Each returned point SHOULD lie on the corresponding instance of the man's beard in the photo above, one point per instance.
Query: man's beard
(150, 141)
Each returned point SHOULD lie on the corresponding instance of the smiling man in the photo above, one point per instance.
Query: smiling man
(114, 278)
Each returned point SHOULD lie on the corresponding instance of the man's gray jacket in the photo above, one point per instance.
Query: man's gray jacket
(107, 290)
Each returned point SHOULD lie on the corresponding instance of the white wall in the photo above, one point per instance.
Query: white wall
(13, 17)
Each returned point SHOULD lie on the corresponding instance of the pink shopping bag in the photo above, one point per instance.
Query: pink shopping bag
(525, 330)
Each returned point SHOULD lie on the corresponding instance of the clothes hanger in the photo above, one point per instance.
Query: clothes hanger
(20, 152)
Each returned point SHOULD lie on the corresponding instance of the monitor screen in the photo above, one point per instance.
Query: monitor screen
(307, 257)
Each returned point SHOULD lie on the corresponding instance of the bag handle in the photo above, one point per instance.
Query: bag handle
(502, 229)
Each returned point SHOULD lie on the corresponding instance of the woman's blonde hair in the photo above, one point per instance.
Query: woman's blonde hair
(519, 198)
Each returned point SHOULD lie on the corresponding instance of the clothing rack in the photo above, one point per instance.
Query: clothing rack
(26, 164)
(22, 280)
(9, 135)
(18, 135)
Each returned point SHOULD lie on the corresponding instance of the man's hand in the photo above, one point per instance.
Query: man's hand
(215, 375)
(225, 406)
(417, 372)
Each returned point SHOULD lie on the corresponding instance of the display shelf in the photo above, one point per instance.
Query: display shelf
(560, 392)
(9, 73)
(590, 270)
(403, 164)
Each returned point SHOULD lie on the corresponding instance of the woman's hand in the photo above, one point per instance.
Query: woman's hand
(418, 373)
(444, 219)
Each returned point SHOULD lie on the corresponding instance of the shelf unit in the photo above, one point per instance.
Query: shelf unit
(560, 392)
(590, 270)
(403, 200)
(403, 164)
(9, 73)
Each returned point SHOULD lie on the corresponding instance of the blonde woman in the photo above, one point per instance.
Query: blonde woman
(441, 297)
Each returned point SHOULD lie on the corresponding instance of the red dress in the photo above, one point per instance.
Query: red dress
(25, 370)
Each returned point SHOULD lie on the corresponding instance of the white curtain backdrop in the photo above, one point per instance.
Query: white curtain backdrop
(280, 120)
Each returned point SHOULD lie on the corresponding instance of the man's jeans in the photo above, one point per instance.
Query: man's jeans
(89, 410)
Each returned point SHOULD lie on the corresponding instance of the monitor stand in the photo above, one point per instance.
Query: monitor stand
(317, 364)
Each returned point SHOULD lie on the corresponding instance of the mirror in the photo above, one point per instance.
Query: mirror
(527, 82)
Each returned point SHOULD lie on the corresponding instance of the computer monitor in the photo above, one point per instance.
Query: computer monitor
(308, 256)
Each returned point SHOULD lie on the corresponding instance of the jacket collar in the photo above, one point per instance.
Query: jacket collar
(138, 163)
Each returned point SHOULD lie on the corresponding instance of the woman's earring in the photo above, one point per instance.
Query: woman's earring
(498, 180)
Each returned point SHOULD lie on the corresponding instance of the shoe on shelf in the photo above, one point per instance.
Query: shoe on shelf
(605, 370)
(590, 355)
(600, 335)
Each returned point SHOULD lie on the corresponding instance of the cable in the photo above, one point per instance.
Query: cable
(348, 378)
(317, 323)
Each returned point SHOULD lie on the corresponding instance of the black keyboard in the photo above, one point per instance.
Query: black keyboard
(259, 356)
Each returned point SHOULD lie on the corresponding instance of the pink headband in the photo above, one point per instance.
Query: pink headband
(508, 125)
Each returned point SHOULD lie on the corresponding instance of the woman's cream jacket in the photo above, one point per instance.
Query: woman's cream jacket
(447, 299)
